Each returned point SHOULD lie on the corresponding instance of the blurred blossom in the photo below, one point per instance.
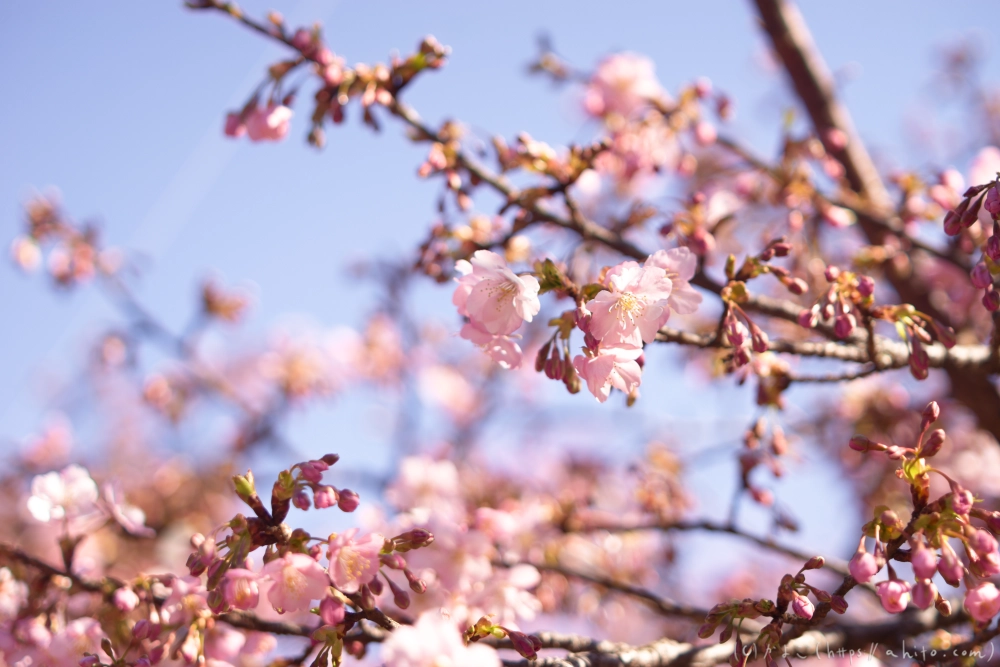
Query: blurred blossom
(434, 641)
(67, 495)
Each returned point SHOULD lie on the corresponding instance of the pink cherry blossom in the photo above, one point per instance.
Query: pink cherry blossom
(633, 308)
(81, 635)
(923, 560)
(984, 166)
(297, 580)
(982, 602)
(622, 84)
(924, 594)
(434, 641)
(129, 517)
(894, 594)
(354, 562)
(501, 349)
(13, 594)
(492, 296)
(125, 599)
(680, 265)
(613, 367)
(69, 494)
(187, 600)
(270, 123)
(240, 589)
(803, 607)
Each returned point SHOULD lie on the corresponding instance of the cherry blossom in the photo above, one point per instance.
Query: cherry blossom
(680, 265)
(240, 589)
(13, 594)
(270, 123)
(501, 349)
(894, 595)
(633, 308)
(68, 495)
(494, 298)
(434, 641)
(296, 580)
(612, 367)
(129, 517)
(622, 84)
(354, 563)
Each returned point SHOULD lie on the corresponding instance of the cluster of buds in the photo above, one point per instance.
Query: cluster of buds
(980, 197)
(75, 256)
(742, 333)
(554, 357)
(918, 329)
(762, 448)
(693, 226)
(794, 592)
(525, 644)
(849, 295)
(931, 552)
(540, 158)
(758, 265)
(291, 487)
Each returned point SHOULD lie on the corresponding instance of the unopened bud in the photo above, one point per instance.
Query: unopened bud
(930, 414)
(860, 443)
(933, 443)
(991, 300)
(981, 277)
(814, 563)
(348, 500)
(330, 459)
(832, 273)
(417, 585)
(522, 644)
(399, 597)
(866, 286)
(838, 604)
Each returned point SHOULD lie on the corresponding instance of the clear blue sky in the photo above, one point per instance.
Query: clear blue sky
(120, 105)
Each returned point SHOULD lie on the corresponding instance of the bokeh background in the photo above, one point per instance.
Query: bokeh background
(120, 106)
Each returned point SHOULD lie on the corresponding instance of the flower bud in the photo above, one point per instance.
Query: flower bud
(932, 445)
(367, 600)
(993, 246)
(992, 202)
(331, 611)
(843, 326)
(924, 594)
(399, 597)
(809, 318)
(125, 599)
(949, 566)
(348, 500)
(930, 414)
(838, 604)
(89, 661)
(991, 299)
(330, 459)
(863, 566)
(143, 629)
(301, 500)
(860, 443)
(417, 585)
(523, 644)
(413, 539)
(376, 586)
(952, 223)
(325, 496)
(866, 286)
(832, 273)
(814, 563)
(981, 277)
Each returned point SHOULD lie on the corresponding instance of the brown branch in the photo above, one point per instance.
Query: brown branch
(661, 605)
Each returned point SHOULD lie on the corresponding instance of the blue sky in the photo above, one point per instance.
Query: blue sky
(120, 105)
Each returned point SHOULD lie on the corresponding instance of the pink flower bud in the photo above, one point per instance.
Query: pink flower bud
(961, 500)
(324, 496)
(302, 39)
(924, 594)
(866, 286)
(348, 500)
(417, 584)
(838, 604)
(832, 273)
(399, 597)
(894, 594)
(523, 644)
(90, 661)
(860, 443)
(312, 472)
(301, 500)
(952, 223)
(234, 126)
(330, 459)
(863, 566)
(143, 629)
(704, 133)
(809, 318)
(991, 300)
(923, 560)
(126, 600)
(930, 414)
(331, 610)
(982, 602)
(981, 278)
(843, 325)
(992, 202)
(949, 566)
(993, 247)
(933, 443)
(983, 543)
(802, 606)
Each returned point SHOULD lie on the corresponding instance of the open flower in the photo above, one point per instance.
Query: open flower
(240, 590)
(680, 265)
(633, 308)
(70, 494)
(354, 563)
(623, 84)
(612, 367)
(501, 349)
(493, 297)
(298, 579)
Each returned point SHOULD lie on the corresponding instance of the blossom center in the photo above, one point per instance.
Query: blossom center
(628, 306)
